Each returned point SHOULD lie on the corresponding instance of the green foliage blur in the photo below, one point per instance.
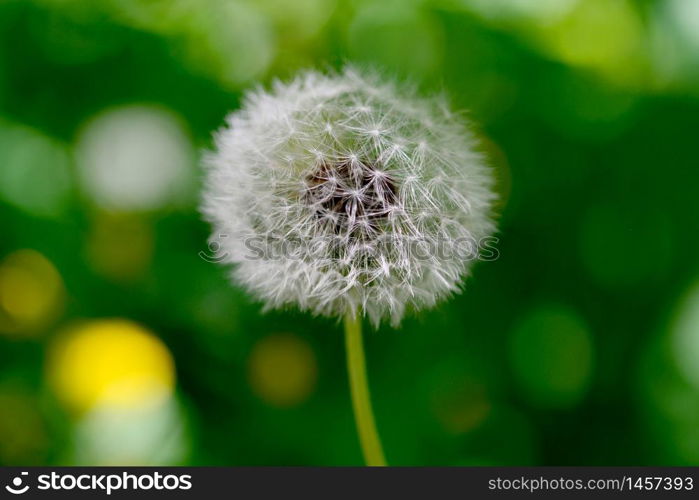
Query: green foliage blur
(120, 343)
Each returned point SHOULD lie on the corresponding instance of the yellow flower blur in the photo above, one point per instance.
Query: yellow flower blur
(282, 370)
(110, 362)
(31, 293)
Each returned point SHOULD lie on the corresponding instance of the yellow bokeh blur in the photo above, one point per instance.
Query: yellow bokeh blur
(110, 362)
(282, 370)
(603, 35)
(24, 436)
(32, 294)
(120, 246)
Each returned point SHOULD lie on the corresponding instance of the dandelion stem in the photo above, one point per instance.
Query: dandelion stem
(361, 400)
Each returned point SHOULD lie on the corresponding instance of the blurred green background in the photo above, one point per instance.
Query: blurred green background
(119, 344)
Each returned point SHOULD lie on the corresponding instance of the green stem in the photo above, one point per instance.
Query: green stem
(361, 402)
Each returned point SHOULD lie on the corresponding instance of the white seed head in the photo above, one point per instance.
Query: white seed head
(342, 194)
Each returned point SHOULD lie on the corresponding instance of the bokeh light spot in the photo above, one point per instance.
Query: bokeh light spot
(667, 396)
(23, 432)
(135, 158)
(282, 370)
(603, 35)
(461, 406)
(120, 246)
(398, 36)
(229, 40)
(114, 362)
(32, 294)
(551, 354)
(299, 19)
(540, 11)
(232, 40)
(34, 171)
(151, 434)
(685, 16)
(674, 44)
(685, 338)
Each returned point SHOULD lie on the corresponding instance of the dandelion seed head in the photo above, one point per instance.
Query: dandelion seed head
(353, 172)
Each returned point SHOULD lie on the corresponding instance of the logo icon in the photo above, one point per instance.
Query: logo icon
(16, 488)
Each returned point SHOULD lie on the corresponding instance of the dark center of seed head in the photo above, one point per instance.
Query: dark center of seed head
(353, 197)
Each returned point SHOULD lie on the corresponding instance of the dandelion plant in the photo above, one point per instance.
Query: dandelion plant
(346, 196)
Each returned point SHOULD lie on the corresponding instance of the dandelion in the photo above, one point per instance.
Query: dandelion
(339, 194)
